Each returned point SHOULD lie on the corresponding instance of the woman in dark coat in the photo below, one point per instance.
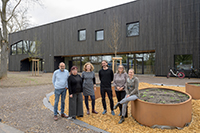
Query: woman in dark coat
(75, 94)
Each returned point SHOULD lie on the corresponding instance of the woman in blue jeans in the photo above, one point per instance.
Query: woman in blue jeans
(89, 85)
(132, 93)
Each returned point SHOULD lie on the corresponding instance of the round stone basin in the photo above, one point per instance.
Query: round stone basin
(172, 115)
(193, 88)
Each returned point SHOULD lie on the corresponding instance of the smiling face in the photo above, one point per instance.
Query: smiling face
(62, 66)
(120, 69)
(88, 68)
(104, 64)
(131, 73)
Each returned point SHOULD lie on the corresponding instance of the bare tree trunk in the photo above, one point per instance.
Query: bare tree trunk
(4, 58)
(4, 36)
(4, 41)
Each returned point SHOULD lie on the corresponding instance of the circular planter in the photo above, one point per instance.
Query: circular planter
(193, 90)
(173, 115)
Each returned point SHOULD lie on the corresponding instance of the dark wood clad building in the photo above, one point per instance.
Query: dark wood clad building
(154, 36)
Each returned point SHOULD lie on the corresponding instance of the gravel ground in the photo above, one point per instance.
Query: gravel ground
(23, 109)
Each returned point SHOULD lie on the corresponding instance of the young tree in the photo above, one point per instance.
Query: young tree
(35, 54)
(35, 47)
(114, 41)
(8, 13)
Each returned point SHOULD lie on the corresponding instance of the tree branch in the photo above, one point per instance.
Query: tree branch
(14, 10)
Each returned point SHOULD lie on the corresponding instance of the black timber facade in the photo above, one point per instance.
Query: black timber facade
(166, 27)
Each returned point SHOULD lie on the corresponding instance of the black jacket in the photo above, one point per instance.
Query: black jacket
(75, 84)
(106, 77)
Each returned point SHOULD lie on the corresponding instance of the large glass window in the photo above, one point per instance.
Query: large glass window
(99, 35)
(85, 59)
(82, 35)
(32, 46)
(13, 49)
(108, 58)
(25, 47)
(132, 29)
(19, 47)
(143, 63)
(77, 62)
(183, 62)
(149, 63)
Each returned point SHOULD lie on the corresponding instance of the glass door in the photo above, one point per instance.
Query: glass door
(136, 63)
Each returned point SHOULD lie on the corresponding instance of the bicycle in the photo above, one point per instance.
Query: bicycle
(194, 72)
(181, 75)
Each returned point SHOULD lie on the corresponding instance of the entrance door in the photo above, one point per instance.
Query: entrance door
(25, 65)
(136, 63)
(57, 61)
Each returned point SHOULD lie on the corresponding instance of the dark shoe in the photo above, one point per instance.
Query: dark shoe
(55, 118)
(88, 111)
(117, 105)
(122, 120)
(64, 116)
(80, 116)
(93, 111)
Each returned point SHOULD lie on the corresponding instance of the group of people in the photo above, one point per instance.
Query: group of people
(126, 89)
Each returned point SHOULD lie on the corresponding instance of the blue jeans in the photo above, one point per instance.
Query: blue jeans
(57, 93)
(93, 101)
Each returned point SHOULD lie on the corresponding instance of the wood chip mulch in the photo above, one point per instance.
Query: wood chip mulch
(110, 123)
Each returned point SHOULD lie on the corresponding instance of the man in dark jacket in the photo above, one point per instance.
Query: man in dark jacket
(106, 77)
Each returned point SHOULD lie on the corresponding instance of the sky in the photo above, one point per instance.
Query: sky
(55, 10)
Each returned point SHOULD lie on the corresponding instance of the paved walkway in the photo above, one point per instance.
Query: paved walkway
(7, 129)
(166, 81)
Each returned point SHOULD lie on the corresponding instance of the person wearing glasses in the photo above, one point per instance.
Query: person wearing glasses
(132, 93)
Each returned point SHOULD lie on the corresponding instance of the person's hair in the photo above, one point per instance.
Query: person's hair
(131, 69)
(123, 69)
(61, 63)
(72, 68)
(105, 61)
(88, 63)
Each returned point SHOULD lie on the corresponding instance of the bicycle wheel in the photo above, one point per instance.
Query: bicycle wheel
(169, 74)
(181, 75)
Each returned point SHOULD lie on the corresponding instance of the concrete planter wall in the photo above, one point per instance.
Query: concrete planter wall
(174, 115)
(193, 90)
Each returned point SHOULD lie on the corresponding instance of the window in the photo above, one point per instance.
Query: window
(99, 35)
(13, 49)
(32, 46)
(82, 35)
(132, 29)
(19, 47)
(183, 62)
(25, 47)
